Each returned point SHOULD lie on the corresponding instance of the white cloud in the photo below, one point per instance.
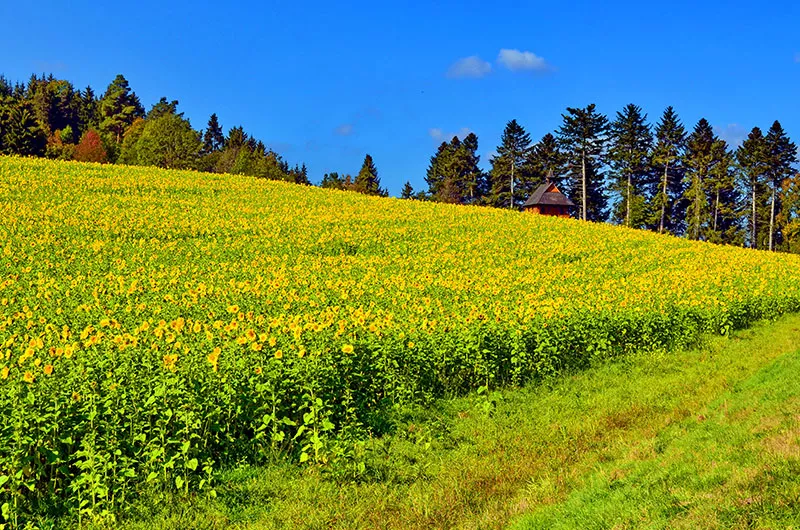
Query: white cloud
(472, 66)
(441, 136)
(518, 61)
(733, 133)
(346, 129)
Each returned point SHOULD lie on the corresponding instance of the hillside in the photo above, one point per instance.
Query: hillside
(160, 325)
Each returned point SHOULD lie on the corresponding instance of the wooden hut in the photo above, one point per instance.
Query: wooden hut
(548, 200)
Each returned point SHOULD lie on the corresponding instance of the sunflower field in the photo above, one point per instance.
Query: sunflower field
(157, 325)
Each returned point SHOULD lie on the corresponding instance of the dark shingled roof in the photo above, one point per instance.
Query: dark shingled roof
(547, 195)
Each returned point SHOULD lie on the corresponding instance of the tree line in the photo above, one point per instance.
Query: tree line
(627, 171)
(50, 117)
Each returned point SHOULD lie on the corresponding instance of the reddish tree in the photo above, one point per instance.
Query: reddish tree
(91, 149)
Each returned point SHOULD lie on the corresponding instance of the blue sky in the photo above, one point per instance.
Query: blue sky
(325, 83)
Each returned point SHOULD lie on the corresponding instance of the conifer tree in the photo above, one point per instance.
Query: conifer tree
(546, 161)
(213, 138)
(789, 218)
(367, 180)
(781, 154)
(509, 167)
(437, 170)
(629, 155)
(582, 137)
(752, 161)
(723, 224)
(699, 161)
(88, 110)
(23, 135)
(670, 138)
(163, 106)
(119, 107)
(408, 191)
(332, 181)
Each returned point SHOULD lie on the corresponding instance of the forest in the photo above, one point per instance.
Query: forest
(623, 170)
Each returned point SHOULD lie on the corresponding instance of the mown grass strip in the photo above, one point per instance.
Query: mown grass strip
(482, 461)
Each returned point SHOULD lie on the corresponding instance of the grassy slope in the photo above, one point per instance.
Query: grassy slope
(701, 438)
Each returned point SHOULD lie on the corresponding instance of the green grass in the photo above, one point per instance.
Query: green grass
(695, 439)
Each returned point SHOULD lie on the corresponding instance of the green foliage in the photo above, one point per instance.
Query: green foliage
(367, 180)
(631, 142)
(118, 108)
(128, 152)
(167, 324)
(582, 137)
(168, 141)
(408, 191)
(453, 174)
(213, 137)
(511, 180)
(753, 167)
(667, 204)
(23, 135)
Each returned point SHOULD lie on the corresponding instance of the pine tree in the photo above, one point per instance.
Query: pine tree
(213, 138)
(119, 107)
(752, 161)
(699, 160)
(670, 138)
(629, 154)
(468, 175)
(55, 104)
(546, 161)
(367, 180)
(781, 154)
(582, 137)
(509, 167)
(332, 181)
(298, 175)
(408, 191)
(789, 218)
(88, 110)
(24, 136)
(724, 226)
(163, 107)
(438, 171)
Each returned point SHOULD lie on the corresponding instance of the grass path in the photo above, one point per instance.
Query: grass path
(700, 438)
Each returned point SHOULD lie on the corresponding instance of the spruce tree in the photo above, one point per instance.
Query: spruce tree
(88, 110)
(453, 174)
(582, 137)
(332, 181)
(510, 167)
(213, 137)
(781, 154)
(752, 161)
(469, 176)
(629, 155)
(670, 138)
(546, 161)
(437, 170)
(367, 180)
(24, 136)
(699, 160)
(408, 191)
(724, 226)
